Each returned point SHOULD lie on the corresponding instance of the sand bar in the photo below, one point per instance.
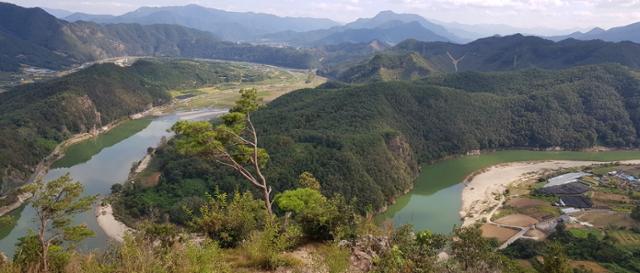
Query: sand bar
(482, 192)
(114, 229)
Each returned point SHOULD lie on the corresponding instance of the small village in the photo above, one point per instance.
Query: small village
(588, 201)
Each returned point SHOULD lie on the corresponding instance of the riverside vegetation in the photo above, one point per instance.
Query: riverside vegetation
(243, 223)
(244, 234)
(36, 117)
(375, 136)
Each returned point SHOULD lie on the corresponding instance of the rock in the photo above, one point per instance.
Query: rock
(344, 243)
(3, 258)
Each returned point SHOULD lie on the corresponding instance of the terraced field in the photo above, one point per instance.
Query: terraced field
(626, 239)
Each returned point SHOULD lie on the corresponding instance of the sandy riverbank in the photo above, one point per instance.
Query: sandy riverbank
(113, 228)
(482, 192)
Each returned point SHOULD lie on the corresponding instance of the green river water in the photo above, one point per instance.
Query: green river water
(435, 200)
(432, 204)
(98, 164)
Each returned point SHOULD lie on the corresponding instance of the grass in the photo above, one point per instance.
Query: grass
(503, 212)
(604, 169)
(584, 233)
(274, 82)
(83, 151)
(626, 239)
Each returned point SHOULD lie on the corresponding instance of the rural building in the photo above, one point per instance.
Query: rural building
(565, 179)
(575, 201)
(573, 188)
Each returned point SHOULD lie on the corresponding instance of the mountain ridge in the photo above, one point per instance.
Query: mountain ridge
(229, 25)
(515, 52)
(37, 38)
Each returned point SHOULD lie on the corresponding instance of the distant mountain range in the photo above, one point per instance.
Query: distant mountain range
(31, 36)
(387, 26)
(472, 32)
(616, 34)
(232, 26)
(414, 58)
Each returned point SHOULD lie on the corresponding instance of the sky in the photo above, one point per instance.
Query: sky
(556, 14)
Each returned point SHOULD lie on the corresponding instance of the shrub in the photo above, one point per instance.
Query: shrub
(230, 221)
(319, 217)
(332, 258)
(264, 248)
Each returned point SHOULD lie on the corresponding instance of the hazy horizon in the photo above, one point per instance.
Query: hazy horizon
(553, 14)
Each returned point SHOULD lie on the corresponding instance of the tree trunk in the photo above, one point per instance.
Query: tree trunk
(267, 200)
(45, 248)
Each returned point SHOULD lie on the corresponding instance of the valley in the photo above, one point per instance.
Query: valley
(319, 137)
(105, 158)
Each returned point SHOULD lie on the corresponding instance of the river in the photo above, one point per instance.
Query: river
(433, 204)
(435, 200)
(108, 163)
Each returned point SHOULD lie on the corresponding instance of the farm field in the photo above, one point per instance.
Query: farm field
(275, 82)
(627, 239)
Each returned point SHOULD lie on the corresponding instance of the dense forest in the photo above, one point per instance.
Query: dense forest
(515, 52)
(366, 142)
(34, 118)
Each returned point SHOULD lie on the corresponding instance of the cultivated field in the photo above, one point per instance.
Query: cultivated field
(273, 82)
(626, 239)
(518, 220)
(499, 233)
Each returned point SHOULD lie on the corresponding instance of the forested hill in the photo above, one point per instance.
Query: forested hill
(514, 52)
(34, 118)
(31, 36)
(367, 141)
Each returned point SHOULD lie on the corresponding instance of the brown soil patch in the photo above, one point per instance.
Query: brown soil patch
(606, 197)
(605, 219)
(152, 180)
(536, 233)
(499, 233)
(519, 220)
(524, 264)
(524, 202)
(593, 266)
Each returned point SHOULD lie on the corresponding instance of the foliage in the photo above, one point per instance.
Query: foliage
(471, 250)
(319, 217)
(230, 222)
(524, 249)
(366, 142)
(555, 260)
(332, 257)
(411, 59)
(264, 247)
(234, 143)
(593, 248)
(635, 213)
(34, 118)
(418, 252)
(307, 180)
(55, 203)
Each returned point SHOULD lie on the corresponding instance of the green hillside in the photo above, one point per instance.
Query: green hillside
(367, 141)
(34, 118)
(507, 53)
(388, 67)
